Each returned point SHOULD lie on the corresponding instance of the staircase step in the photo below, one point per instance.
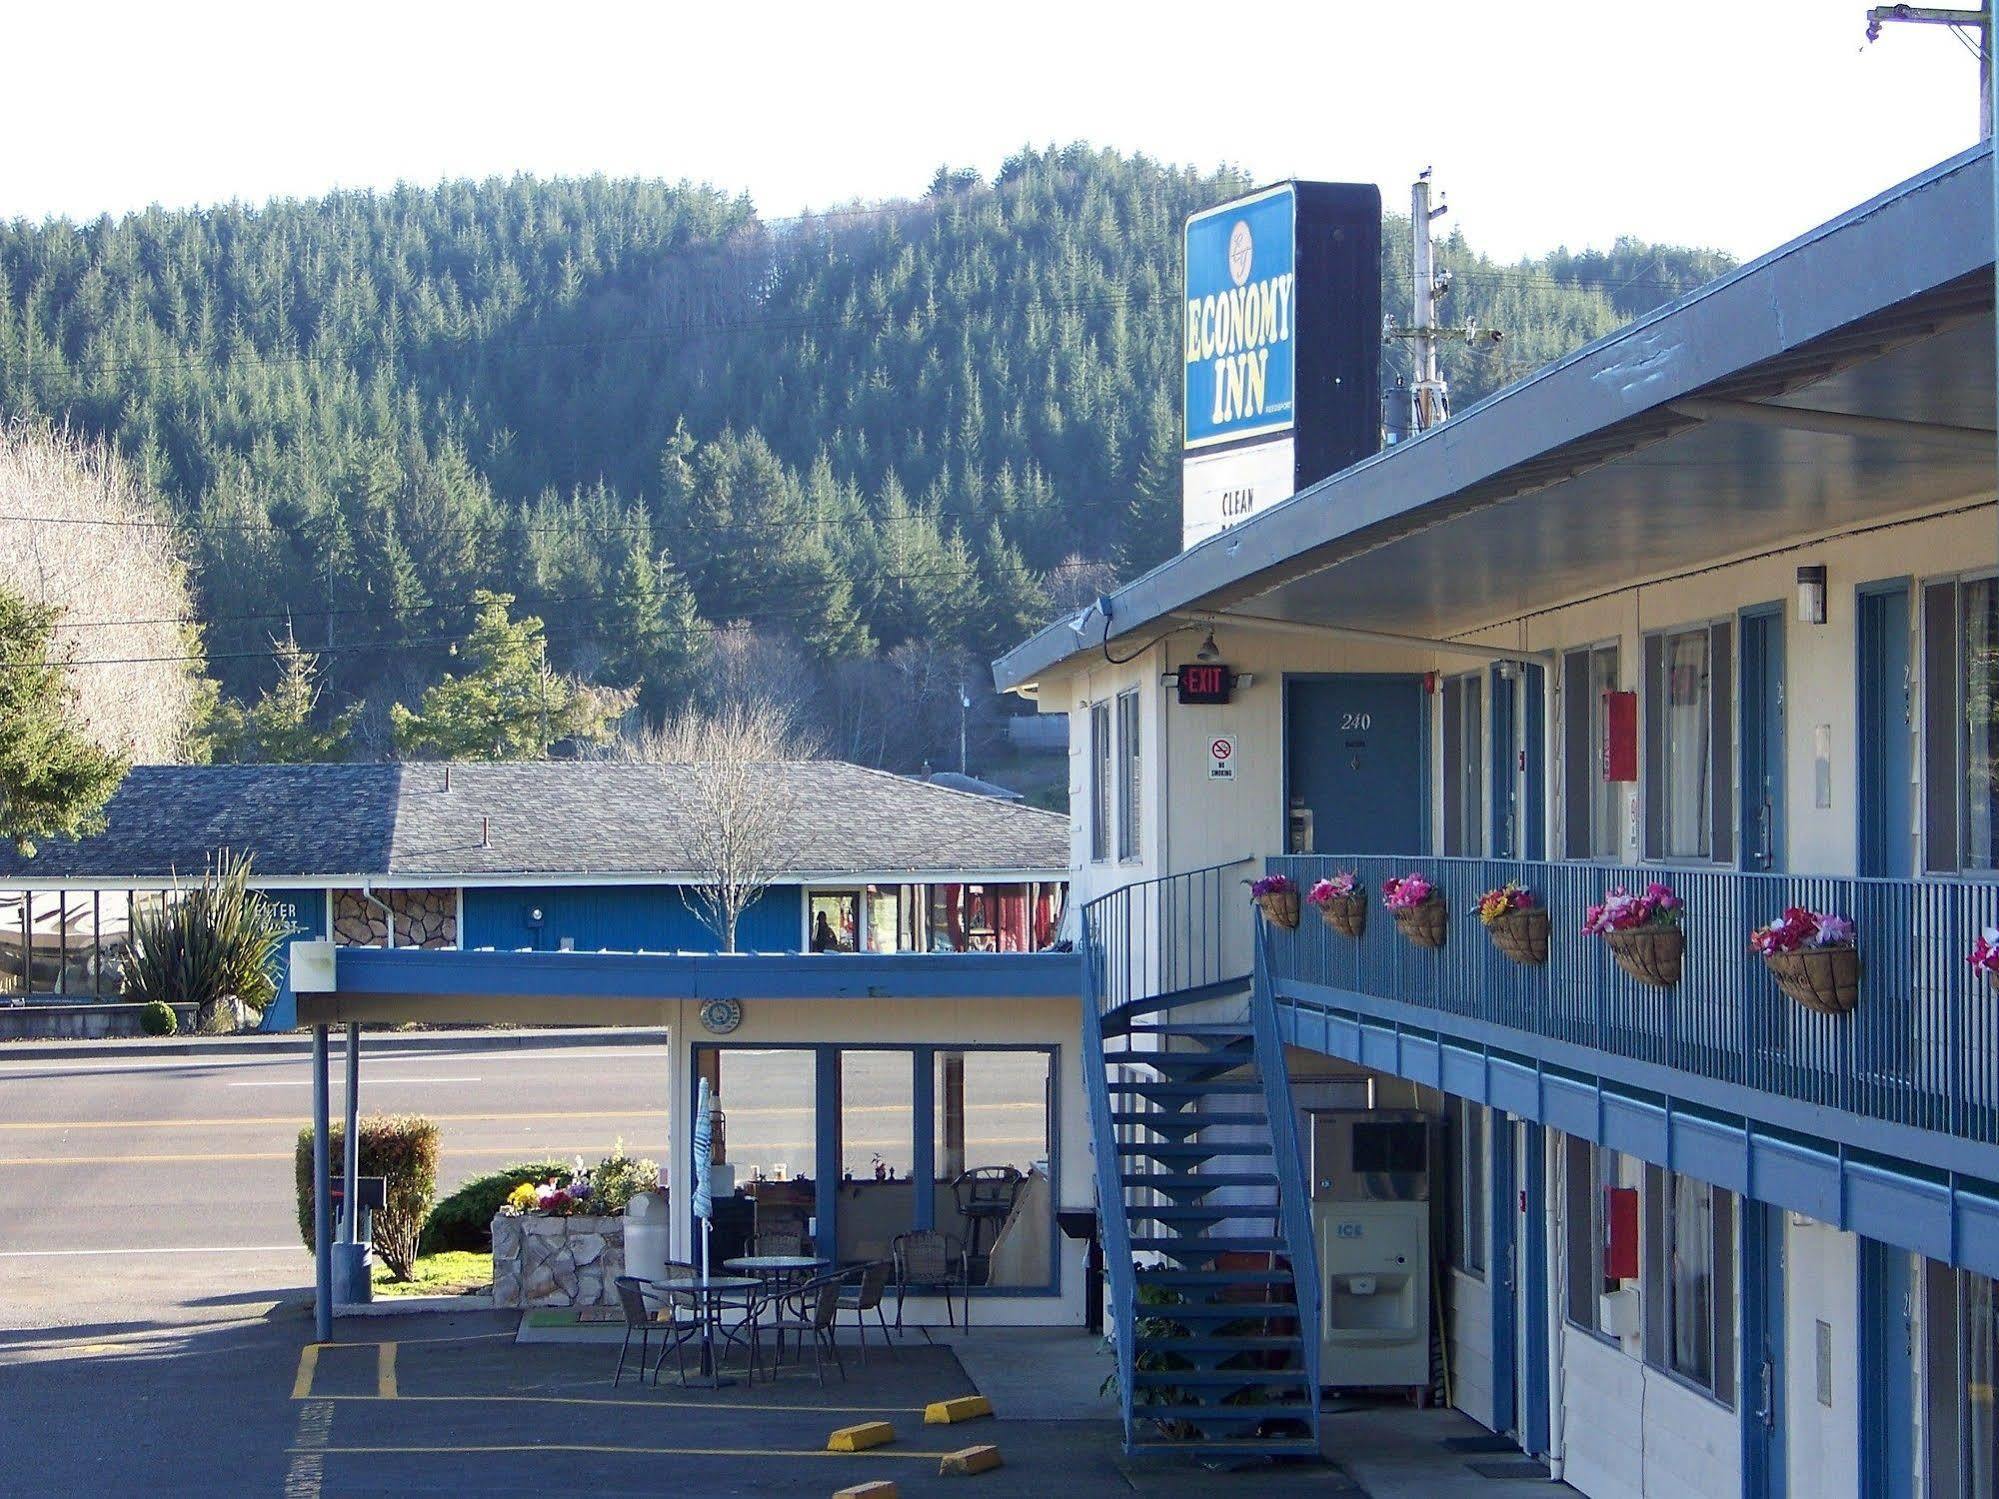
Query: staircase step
(1198, 1181)
(1174, 1121)
(1225, 1447)
(1196, 1343)
(1184, 1152)
(1175, 1280)
(1223, 1311)
(1207, 1212)
(1228, 1029)
(1216, 1414)
(1215, 1089)
(1182, 1247)
(1180, 1062)
(1158, 1379)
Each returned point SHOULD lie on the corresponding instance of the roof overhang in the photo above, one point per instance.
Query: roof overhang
(1708, 430)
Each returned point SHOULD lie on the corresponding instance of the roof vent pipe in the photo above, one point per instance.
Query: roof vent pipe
(447, 777)
(485, 834)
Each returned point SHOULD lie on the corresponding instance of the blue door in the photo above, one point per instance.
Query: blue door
(1518, 690)
(1762, 1381)
(1355, 752)
(1886, 849)
(1887, 1372)
(1502, 1272)
(1532, 1253)
(1761, 713)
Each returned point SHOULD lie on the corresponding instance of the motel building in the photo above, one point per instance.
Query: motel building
(1709, 604)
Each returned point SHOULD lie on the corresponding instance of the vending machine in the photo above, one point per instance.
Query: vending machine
(1371, 1207)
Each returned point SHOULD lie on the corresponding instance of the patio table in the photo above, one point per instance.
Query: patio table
(713, 1292)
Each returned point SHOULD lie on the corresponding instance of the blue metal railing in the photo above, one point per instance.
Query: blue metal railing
(1112, 1223)
(1921, 1049)
(1294, 1193)
(1167, 936)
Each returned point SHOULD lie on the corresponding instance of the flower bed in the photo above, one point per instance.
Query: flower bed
(542, 1259)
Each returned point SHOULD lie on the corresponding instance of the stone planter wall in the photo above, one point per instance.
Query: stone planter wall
(424, 918)
(540, 1260)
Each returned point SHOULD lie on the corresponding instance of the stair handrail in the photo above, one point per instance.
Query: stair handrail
(1163, 936)
(1111, 1222)
(1292, 1194)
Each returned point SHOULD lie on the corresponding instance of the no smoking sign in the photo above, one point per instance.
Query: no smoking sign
(1221, 758)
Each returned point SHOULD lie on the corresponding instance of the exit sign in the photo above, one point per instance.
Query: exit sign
(1206, 682)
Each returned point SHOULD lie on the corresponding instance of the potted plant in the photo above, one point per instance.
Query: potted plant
(1517, 923)
(1984, 956)
(1341, 903)
(1812, 956)
(1418, 907)
(1277, 894)
(1643, 932)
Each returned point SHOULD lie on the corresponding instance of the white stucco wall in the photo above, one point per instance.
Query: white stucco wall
(1821, 1284)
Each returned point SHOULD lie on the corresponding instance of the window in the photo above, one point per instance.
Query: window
(1690, 1281)
(991, 1131)
(1587, 1170)
(1467, 1215)
(1589, 802)
(1127, 775)
(1100, 781)
(1961, 1318)
(1689, 785)
(1464, 762)
(1961, 749)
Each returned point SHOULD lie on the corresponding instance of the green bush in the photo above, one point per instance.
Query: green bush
(158, 1018)
(619, 1178)
(204, 944)
(402, 1148)
(464, 1220)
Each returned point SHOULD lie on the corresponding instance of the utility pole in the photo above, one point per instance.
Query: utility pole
(1977, 21)
(964, 710)
(1430, 393)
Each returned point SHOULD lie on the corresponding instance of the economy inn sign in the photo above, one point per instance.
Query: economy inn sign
(1281, 369)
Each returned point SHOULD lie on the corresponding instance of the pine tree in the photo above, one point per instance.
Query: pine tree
(53, 781)
(278, 728)
(509, 704)
(656, 634)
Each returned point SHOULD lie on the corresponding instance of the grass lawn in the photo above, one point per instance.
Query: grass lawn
(452, 1273)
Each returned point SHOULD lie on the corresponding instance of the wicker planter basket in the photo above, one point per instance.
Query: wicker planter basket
(1345, 914)
(1522, 935)
(1650, 956)
(1280, 908)
(1825, 979)
(1425, 924)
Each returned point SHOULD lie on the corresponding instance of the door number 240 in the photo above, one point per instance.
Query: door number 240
(1349, 722)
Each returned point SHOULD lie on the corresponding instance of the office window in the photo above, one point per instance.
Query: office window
(1127, 775)
(1464, 766)
(1100, 781)
(1587, 1170)
(1689, 783)
(1590, 804)
(1961, 748)
(1466, 1207)
(1961, 1334)
(1690, 1281)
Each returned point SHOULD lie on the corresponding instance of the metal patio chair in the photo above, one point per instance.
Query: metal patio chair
(811, 1311)
(927, 1260)
(645, 1310)
(777, 1241)
(860, 1294)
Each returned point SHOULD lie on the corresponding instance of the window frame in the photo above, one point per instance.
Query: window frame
(1719, 723)
(1100, 781)
(1946, 809)
(1661, 1287)
(1129, 776)
(1602, 1169)
(1470, 1191)
(1582, 751)
(1462, 728)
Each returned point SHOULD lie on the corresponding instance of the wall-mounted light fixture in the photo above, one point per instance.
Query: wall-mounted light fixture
(1811, 595)
(1209, 651)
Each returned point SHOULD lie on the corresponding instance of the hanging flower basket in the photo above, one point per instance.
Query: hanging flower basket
(1825, 979)
(1341, 904)
(1649, 954)
(1812, 956)
(1277, 895)
(1518, 924)
(1419, 909)
(1643, 932)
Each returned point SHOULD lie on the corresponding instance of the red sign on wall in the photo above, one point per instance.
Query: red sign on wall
(1620, 1237)
(1620, 736)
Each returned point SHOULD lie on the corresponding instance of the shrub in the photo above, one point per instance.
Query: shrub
(464, 1220)
(402, 1148)
(158, 1018)
(619, 1178)
(206, 944)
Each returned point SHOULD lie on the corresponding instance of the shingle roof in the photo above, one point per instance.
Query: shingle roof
(554, 819)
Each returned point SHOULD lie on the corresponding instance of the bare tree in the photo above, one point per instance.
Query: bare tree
(79, 533)
(744, 813)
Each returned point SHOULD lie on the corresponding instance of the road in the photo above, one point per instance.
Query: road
(167, 1182)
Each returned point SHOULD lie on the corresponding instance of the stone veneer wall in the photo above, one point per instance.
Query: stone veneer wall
(540, 1260)
(424, 918)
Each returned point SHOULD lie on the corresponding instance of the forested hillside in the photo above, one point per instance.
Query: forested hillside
(876, 445)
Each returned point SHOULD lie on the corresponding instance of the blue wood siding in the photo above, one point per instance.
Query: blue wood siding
(622, 918)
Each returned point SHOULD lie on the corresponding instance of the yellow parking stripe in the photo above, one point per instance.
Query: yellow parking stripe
(683, 1405)
(308, 1364)
(605, 1449)
(385, 1370)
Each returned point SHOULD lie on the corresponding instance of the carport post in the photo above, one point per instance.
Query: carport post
(351, 1141)
(322, 1226)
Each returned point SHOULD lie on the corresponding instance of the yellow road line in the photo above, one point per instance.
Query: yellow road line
(682, 1405)
(385, 1370)
(513, 1151)
(308, 1365)
(605, 1449)
(294, 1120)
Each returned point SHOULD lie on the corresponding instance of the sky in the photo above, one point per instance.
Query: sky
(1733, 126)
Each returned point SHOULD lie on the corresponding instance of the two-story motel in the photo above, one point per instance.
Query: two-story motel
(1766, 512)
